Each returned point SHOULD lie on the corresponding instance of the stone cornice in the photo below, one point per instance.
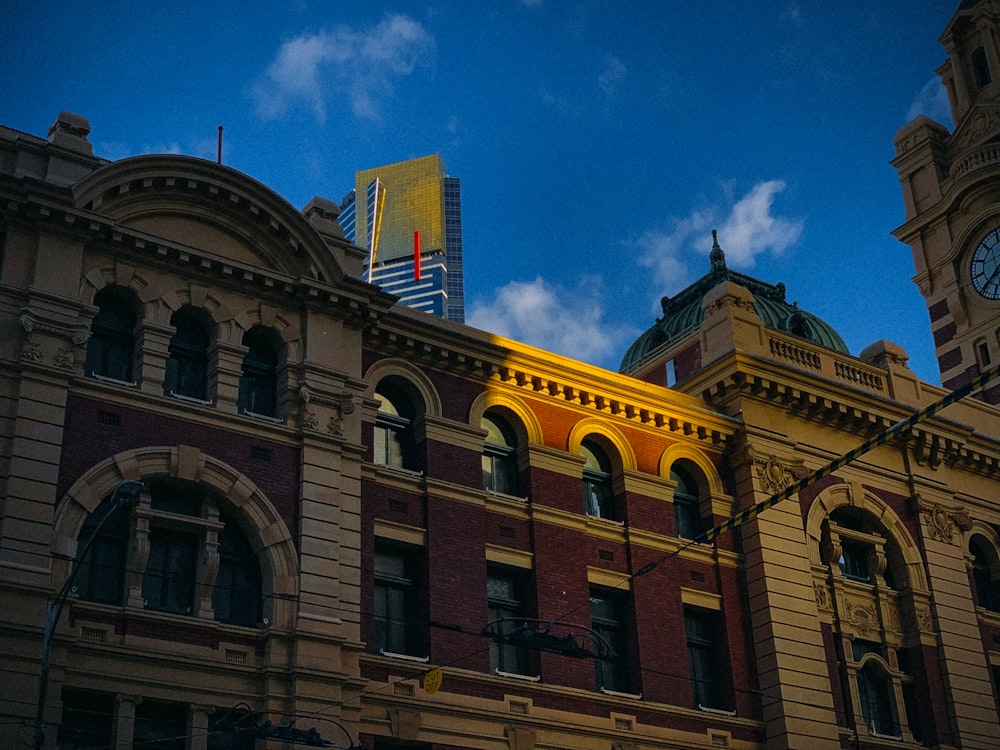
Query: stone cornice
(934, 442)
(538, 374)
(48, 210)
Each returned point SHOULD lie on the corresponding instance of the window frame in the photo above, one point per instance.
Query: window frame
(171, 512)
(258, 387)
(507, 658)
(686, 500)
(596, 482)
(186, 371)
(703, 638)
(111, 346)
(395, 601)
(499, 460)
(611, 674)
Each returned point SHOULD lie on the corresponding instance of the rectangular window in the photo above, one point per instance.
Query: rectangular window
(87, 720)
(505, 592)
(607, 620)
(854, 560)
(702, 629)
(160, 726)
(168, 583)
(395, 601)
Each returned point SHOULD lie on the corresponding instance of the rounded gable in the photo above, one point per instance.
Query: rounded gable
(209, 207)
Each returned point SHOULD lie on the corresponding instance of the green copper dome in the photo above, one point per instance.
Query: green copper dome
(683, 312)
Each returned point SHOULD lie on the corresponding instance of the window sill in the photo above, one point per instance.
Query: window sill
(896, 737)
(404, 657)
(262, 417)
(401, 470)
(190, 399)
(505, 496)
(620, 694)
(112, 381)
(717, 711)
(602, 519)
(518, 676)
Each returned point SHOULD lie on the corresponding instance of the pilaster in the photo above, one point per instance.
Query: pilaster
(960, 645)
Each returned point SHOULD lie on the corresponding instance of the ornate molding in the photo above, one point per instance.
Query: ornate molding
(942, 523)
(775, 474)
(862, 618)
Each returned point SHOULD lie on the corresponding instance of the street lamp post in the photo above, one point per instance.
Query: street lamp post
(125, 495)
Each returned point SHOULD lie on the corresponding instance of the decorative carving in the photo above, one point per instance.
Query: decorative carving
(822, 595)
(924, 620)
(309, 419)
(335, 425)
(862, 618)
(31, 352)
(64, 359)
(940, 524)
(775, 475)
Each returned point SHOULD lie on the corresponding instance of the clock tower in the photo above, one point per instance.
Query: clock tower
(951, 190)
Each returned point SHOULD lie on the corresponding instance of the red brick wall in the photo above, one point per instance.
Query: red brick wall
(87, 443)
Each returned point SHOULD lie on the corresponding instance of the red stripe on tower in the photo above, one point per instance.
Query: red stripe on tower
(416, 256)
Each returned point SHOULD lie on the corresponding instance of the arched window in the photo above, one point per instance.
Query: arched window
(981, 67)
(983, 557)
(394, 435)
(499, 456)
(112, 341)
(158, 554)
(259, 381)
(875, 692)
(687, 504)
(598, 498)
(187, 365)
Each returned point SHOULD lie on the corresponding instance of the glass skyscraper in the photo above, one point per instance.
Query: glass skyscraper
(387, 207)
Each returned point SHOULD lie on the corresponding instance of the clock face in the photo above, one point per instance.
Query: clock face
(985, 269)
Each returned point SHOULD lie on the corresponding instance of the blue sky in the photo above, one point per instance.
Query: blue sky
(598, 142)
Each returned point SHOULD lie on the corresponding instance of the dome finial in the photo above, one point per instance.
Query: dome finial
(717, 257)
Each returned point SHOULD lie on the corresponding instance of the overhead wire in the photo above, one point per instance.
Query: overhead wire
(710, 535)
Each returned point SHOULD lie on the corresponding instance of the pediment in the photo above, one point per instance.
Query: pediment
(212, 209)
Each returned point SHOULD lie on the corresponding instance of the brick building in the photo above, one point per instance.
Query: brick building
(410, 534)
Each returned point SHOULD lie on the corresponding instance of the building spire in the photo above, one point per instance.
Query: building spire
(717, 257)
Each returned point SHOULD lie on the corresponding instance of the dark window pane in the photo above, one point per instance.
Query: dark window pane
(111, 345)
(187, 366)
(168, 583)
(395, 618)
(505, 594)
(687, 504)
(87, 720)
(259, 382)
(702, 631)
(236, 598)
(160, 726)
(102, 568)
(598, 498)
(499, 456)
(607, 613)
(876, 705)
(394, 445)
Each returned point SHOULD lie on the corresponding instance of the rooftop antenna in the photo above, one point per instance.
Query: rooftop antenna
(220, 144)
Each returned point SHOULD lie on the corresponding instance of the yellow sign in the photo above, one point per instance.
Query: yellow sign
(433, 680)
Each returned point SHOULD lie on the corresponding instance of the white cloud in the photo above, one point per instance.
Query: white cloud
(358, 64)
(747, 228)
(932, 101)
(555, 318)
(612, 75)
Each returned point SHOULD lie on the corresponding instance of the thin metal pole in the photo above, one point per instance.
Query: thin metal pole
(125, 494)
